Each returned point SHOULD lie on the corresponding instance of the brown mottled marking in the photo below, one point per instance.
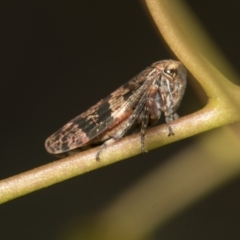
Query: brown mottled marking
(157, 89)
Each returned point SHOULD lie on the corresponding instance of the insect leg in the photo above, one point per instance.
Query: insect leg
(104, 145)
(151, 110)
(113, 135)
(144, 124)
(167, 104)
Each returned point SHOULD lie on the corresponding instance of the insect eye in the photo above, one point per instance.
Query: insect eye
(172, 72)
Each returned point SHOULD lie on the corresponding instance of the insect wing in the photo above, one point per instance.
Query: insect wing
(158, 89)
(107, 113)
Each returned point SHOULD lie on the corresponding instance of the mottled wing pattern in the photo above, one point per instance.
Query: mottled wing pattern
(100, 117)
(158, 89)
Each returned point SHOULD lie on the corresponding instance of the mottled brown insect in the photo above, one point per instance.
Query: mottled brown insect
(141, 101)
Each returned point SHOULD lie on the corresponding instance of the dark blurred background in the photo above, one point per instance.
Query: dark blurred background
(58, 58)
